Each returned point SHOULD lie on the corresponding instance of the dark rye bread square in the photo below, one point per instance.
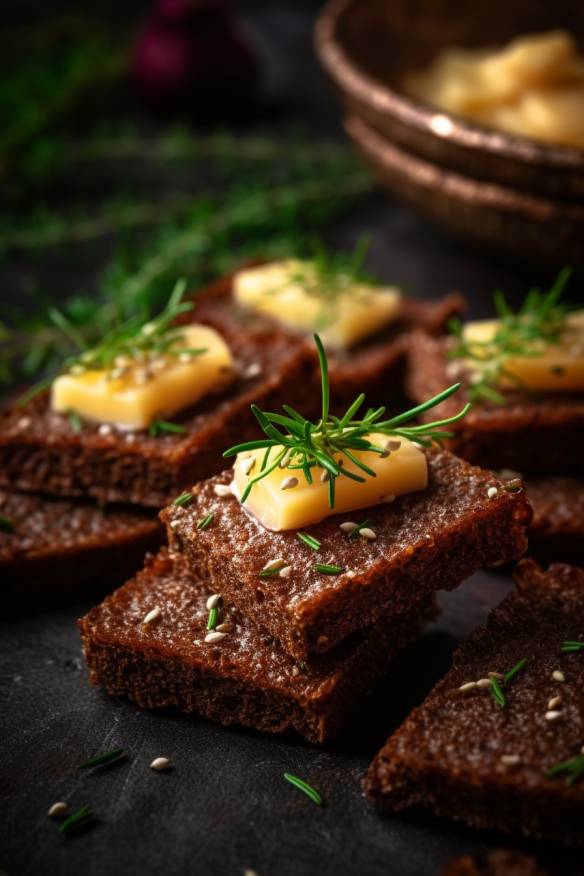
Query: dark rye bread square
(375, 365)
(461, 755)
(246, 677)
(532, 433)
(48, 545)
(426, 541)
(41, 451)
(557, 529)
(500, 862)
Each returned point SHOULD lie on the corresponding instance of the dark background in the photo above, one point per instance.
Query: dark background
(224, 806)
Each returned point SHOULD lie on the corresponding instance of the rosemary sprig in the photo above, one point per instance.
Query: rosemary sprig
(572, 768)
(307, 445)
(183, 499)
(309, 540)
(541, 320)
(6, 525)
(497, 686)
(204, 522)
(161, 427)
(77, 820)
(101, 759)
(305, 788)
(570, 646)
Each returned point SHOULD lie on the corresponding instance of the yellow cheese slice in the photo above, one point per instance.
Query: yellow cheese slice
(555, 367)
(143, 392)
(284, 291)
(279, 505)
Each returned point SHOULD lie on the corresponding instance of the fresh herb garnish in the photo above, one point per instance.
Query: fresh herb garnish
(308, 540)
(183, 499)
(569, 646)
(213, 616)
(328, 569)
(6, 525)
(204, 522)
(573, 768)
(75, 421)
(78, 820)
(101, 759)
(160, 427)
(304, 787)
(355, 532)
(541, 320)
(268, 573)
(497, 686)
(305, 444)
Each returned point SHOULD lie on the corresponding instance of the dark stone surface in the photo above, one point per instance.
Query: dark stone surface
(224, 806)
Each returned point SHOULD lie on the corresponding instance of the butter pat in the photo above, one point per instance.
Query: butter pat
(555, 367)
(289, 292)
(404, 470)
(133, 396)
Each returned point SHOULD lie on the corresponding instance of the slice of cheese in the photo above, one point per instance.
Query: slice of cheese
(555, 367)
(404, 470)
(288, 291)
(145, 392)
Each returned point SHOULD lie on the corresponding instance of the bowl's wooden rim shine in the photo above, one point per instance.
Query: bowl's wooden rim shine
(383, 99)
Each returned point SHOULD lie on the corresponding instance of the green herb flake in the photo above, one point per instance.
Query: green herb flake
(309, 540)
(161, 427)
(305, 788)
(102, 759)
(497, 686)
(570, 646)
(573, 769)
(183, 499)
(213, 617)
(75, 421)
(206, 521)
(327, 569)
(354, 533)
(79, 819)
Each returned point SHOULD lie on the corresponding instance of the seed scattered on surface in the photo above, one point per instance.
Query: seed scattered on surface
(214, 601)
(152, 616)
(492, 492)
(509, 759)
(248, 464)
(349, 526)
(24, 423)
(285, 572)
(552, 715)
(174, 524)
(253, 370)
(483, 683)
(285, 459)
(215, 636)
(288, 483)
(295, 670)
(558, 675)
(468, 685)
(225, 627)
(387, 500)
(274, 564)
(498, 675)
(185, 357)
(554, 702)
(58, 810)
(160, 763)
(105, 429)
(367, 533)
(222, 490)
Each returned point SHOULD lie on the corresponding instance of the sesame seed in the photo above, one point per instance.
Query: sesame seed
(24, 423)
(509, 759)
(492, 492)
(152, 616)
(288, 483)
(285, 459)
(483, 683)
(58, 810)
(225, 627)
(498, 675)
(248, 464)
(174, 524)
(468, 685)
(558, 675)
(253, 370)
(214, 601)
(160, 763)
(295, 670)
(349, 526)
(552, 715)
(367, 533)
(105, 429)
(274, 564)
(285, 572)
(214, 636)
(388, 499)
(185, 357)
(554, 702)
(222, 490)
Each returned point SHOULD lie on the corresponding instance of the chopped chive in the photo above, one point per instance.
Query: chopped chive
(305, 788)
(204, 522)
(212, 621)
(78, 820)
(6, 525)
(183, 499)
(309, 540)
(328, 569)
(355, 532)
(569, 646)
(497, 693)
(159, 427)
(75, 421)
(101, 759)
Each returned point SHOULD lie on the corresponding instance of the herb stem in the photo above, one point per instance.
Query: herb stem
(305, 788)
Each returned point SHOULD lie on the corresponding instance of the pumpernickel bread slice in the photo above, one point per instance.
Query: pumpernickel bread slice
(516, 766)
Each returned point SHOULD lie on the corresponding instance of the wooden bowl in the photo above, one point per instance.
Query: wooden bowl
(365, 46)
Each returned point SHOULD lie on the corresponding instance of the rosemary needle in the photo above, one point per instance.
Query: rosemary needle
(569, 646)
(204, 522)
(212, 621)
(309, 540)
(183, 499)
(355, 532)
(305, 788)
(497, 686)
(573, 768)
(159, 427)
(79, 819)
(101, 759)
(327, 569)
(75, 421)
